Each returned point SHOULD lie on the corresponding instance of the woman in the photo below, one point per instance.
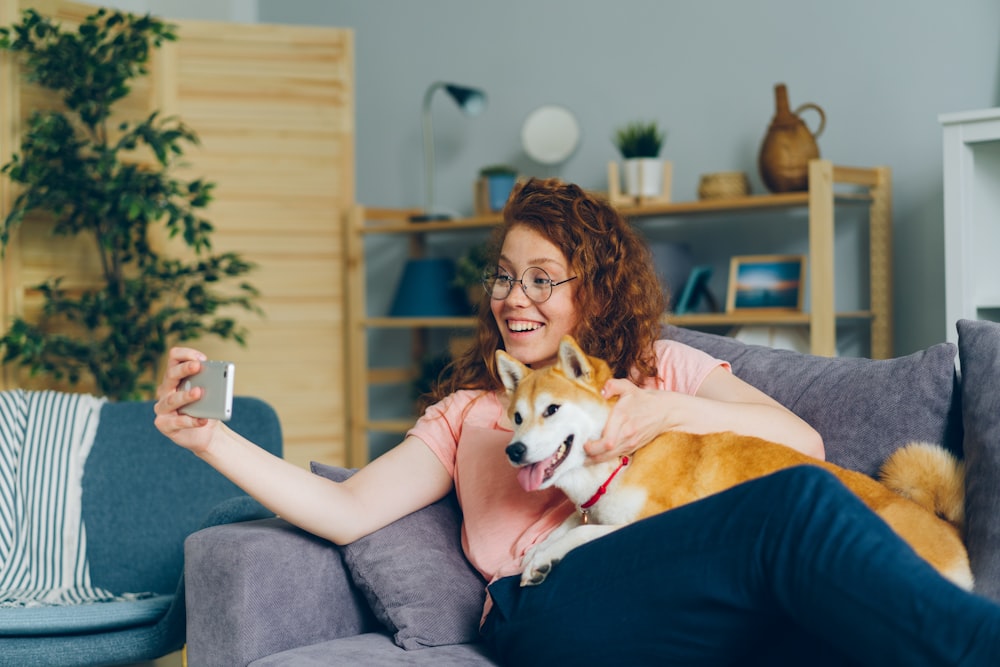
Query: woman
(779, 568)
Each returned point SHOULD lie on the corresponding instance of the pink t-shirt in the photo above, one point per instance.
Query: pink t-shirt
(500, 519)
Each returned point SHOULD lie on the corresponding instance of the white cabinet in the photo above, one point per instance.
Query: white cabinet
(971, 216)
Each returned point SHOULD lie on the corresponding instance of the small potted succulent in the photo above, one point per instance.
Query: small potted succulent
(640, 143)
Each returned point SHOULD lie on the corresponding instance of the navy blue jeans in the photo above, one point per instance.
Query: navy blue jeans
(790, 569)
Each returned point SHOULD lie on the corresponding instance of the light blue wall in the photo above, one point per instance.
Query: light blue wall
(882, 69)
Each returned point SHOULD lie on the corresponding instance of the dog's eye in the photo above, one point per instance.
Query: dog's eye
(517, 418)
(551, 410)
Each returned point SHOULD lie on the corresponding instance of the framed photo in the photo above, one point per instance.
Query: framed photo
(766, 283)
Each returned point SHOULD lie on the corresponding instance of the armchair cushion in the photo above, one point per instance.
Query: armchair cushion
(141, 496)
(414, 575)
(979, 353)
(88, 617)
(865, 409)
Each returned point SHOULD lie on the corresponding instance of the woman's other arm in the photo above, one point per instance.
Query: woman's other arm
(723, 402)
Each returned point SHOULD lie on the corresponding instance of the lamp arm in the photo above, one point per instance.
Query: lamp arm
(429, 147)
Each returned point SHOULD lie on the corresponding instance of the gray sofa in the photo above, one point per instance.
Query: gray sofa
(265, 593)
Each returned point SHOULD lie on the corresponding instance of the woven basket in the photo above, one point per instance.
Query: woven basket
(724, 185)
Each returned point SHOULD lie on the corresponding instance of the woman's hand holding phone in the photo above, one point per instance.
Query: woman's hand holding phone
(179, 396)
(216, 381)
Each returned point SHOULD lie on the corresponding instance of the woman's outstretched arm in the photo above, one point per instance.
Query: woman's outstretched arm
(403, 480)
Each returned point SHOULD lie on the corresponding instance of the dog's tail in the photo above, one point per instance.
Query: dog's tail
(930, 476)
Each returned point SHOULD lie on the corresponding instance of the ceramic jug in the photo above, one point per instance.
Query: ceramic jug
(788, 146)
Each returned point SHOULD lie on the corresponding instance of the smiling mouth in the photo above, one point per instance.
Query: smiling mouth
(533, 476)
(519, 326)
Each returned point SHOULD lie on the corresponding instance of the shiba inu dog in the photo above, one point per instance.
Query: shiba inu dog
(557, 409)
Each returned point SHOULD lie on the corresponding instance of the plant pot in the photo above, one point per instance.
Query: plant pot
(643, 177)
(498, 189)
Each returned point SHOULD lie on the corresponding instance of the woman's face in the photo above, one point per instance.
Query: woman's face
(531, 331)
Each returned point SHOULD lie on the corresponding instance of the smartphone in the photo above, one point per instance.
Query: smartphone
(216, 380)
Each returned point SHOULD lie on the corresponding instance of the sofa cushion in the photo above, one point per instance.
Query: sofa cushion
(979, 354)
(414, 575)
(377, 650)
(864, 409)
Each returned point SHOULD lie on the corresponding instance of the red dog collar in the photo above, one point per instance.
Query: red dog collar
(602, 489)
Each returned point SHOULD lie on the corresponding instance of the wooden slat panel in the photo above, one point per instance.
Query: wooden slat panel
(273, 107)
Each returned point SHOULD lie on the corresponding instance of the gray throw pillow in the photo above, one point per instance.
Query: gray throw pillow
(414, 575)
(979, 354)
(864, 409)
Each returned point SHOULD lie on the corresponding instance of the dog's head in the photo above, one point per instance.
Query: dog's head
(554, 411)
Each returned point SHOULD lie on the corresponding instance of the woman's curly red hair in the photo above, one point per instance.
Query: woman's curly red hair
(619, 297)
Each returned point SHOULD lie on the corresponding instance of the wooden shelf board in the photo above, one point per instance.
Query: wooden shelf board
(772, 318)
(758, 202)
(706, 206)
(786, 200)
(411, 322)
(406, 227)
(733, 319)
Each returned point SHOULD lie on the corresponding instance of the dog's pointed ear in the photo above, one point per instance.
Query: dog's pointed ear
(573, 363)
(511, 371)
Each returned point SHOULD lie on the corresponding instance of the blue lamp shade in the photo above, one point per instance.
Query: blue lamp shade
(427, 290)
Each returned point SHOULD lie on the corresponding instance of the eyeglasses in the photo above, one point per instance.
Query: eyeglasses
(536, 283)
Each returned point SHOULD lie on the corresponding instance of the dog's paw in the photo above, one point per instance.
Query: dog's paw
(539, 561)
(536, 570)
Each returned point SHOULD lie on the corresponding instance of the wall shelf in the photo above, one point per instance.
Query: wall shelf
(869, 187)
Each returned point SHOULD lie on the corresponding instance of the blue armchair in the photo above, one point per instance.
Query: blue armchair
(142, 496)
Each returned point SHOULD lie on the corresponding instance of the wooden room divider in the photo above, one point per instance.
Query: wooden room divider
(274, 109)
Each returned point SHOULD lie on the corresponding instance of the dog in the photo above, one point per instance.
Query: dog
(555, 410)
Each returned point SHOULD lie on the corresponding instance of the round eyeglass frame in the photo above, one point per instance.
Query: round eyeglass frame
(493, 278)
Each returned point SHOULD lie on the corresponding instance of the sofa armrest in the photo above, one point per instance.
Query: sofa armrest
(261, 587)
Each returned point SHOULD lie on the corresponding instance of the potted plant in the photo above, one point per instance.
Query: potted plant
(496, 182)
(79, 173)
(469, 269)
(639, 143)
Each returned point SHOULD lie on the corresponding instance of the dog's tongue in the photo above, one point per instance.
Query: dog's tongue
(530, 477)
